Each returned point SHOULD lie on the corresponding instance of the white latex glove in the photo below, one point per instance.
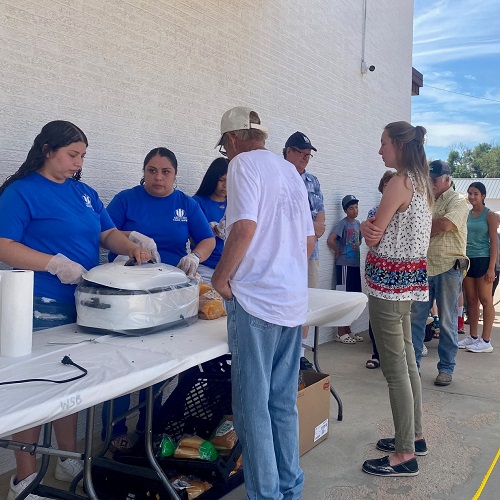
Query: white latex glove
(189, 264)
(219, 228)
(145, 242)
(68, 271)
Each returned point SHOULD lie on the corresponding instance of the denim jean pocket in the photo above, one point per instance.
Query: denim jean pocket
(260, 324)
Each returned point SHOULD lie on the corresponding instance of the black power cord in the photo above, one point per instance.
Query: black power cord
(65, 361)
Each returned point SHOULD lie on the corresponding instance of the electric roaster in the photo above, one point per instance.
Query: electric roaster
(135, 300)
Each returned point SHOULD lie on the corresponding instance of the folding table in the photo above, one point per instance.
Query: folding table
(118, 365)
(332, 308)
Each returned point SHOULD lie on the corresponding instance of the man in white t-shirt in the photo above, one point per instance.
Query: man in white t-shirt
(262, 276)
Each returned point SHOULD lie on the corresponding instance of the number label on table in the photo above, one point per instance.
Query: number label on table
(71, 402)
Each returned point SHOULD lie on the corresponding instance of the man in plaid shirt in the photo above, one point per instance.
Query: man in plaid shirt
(446, 263)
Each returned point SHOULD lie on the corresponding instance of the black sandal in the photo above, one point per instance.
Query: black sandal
(373, 363)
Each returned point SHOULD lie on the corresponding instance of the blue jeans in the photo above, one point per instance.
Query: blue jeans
(121, 405)
(264, 371)
(445, 288)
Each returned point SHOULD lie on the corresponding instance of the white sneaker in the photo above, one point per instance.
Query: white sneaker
(68, 470)
(16, 489)
(345, 339)
(480, 346)
(467, 341)
(424, 350)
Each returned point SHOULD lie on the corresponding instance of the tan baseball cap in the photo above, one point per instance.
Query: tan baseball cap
(237, 118)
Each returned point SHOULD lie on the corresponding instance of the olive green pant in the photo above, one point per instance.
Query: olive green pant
(390, 320)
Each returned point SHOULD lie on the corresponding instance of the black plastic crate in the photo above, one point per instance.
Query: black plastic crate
(195, 407)
(220, 365)
(118, 481)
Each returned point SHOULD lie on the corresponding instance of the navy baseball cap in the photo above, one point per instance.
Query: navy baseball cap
(300, 141)
(348, 200)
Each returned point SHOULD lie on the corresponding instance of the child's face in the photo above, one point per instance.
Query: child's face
(352, 211)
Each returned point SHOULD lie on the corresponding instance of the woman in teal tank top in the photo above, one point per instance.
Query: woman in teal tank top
(482, 248)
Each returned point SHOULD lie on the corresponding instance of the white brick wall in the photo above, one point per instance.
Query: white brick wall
(139, 74)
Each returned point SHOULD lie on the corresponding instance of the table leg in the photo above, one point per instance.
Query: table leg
(113, 421)
(46, 451)
(87, 460)
(109, 428)
(149, 445)
(47, 437)
(318, 369)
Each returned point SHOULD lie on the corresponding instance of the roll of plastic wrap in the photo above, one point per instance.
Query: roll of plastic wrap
(16, 313)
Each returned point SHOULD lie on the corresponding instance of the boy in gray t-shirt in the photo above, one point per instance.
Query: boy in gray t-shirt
(345, 240)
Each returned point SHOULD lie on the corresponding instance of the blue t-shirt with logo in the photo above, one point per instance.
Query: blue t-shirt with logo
(170, 220)
(54, 218)
(349, 240)
(214, 212)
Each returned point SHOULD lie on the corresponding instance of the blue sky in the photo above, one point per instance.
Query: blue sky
(456, 46)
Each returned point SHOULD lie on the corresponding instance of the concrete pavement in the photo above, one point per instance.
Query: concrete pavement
(461, 426)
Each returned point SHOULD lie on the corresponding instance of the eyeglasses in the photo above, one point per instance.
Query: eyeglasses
(222, 151)
(304, 155)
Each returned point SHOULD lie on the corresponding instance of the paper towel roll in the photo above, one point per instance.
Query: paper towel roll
(16, 313)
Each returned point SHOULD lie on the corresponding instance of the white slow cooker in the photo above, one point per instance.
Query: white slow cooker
(136, 299)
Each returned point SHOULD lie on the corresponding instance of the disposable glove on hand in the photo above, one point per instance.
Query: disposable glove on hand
(189, 264)
(68, 271)
(145, 242)
(219, 228)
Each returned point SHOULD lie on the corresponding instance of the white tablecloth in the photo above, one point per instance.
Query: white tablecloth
(116, 365)
(333, 308)
(120, 364)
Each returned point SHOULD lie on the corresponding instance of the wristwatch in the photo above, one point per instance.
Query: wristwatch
(197, 255)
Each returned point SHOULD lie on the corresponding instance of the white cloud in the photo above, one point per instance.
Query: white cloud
(493, 93)
(457, 48)
(442, 134)
(448, 30)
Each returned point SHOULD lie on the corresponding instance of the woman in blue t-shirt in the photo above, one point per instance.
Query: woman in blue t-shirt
(162, 219)
(53, 224)
(159, 211)
(212, 198)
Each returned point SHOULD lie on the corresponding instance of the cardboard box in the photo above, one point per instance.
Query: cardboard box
(313, 404)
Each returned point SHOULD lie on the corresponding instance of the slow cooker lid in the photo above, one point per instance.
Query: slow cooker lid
(143, 277)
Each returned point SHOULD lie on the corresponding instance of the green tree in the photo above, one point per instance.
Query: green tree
(481, 161)
(459, 161)
(476, 161)
(490, 162)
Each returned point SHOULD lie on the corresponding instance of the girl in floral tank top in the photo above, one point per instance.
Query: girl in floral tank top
(396, 275)
(396, 268)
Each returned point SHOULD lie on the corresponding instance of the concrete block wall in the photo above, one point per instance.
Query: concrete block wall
(138, 74)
